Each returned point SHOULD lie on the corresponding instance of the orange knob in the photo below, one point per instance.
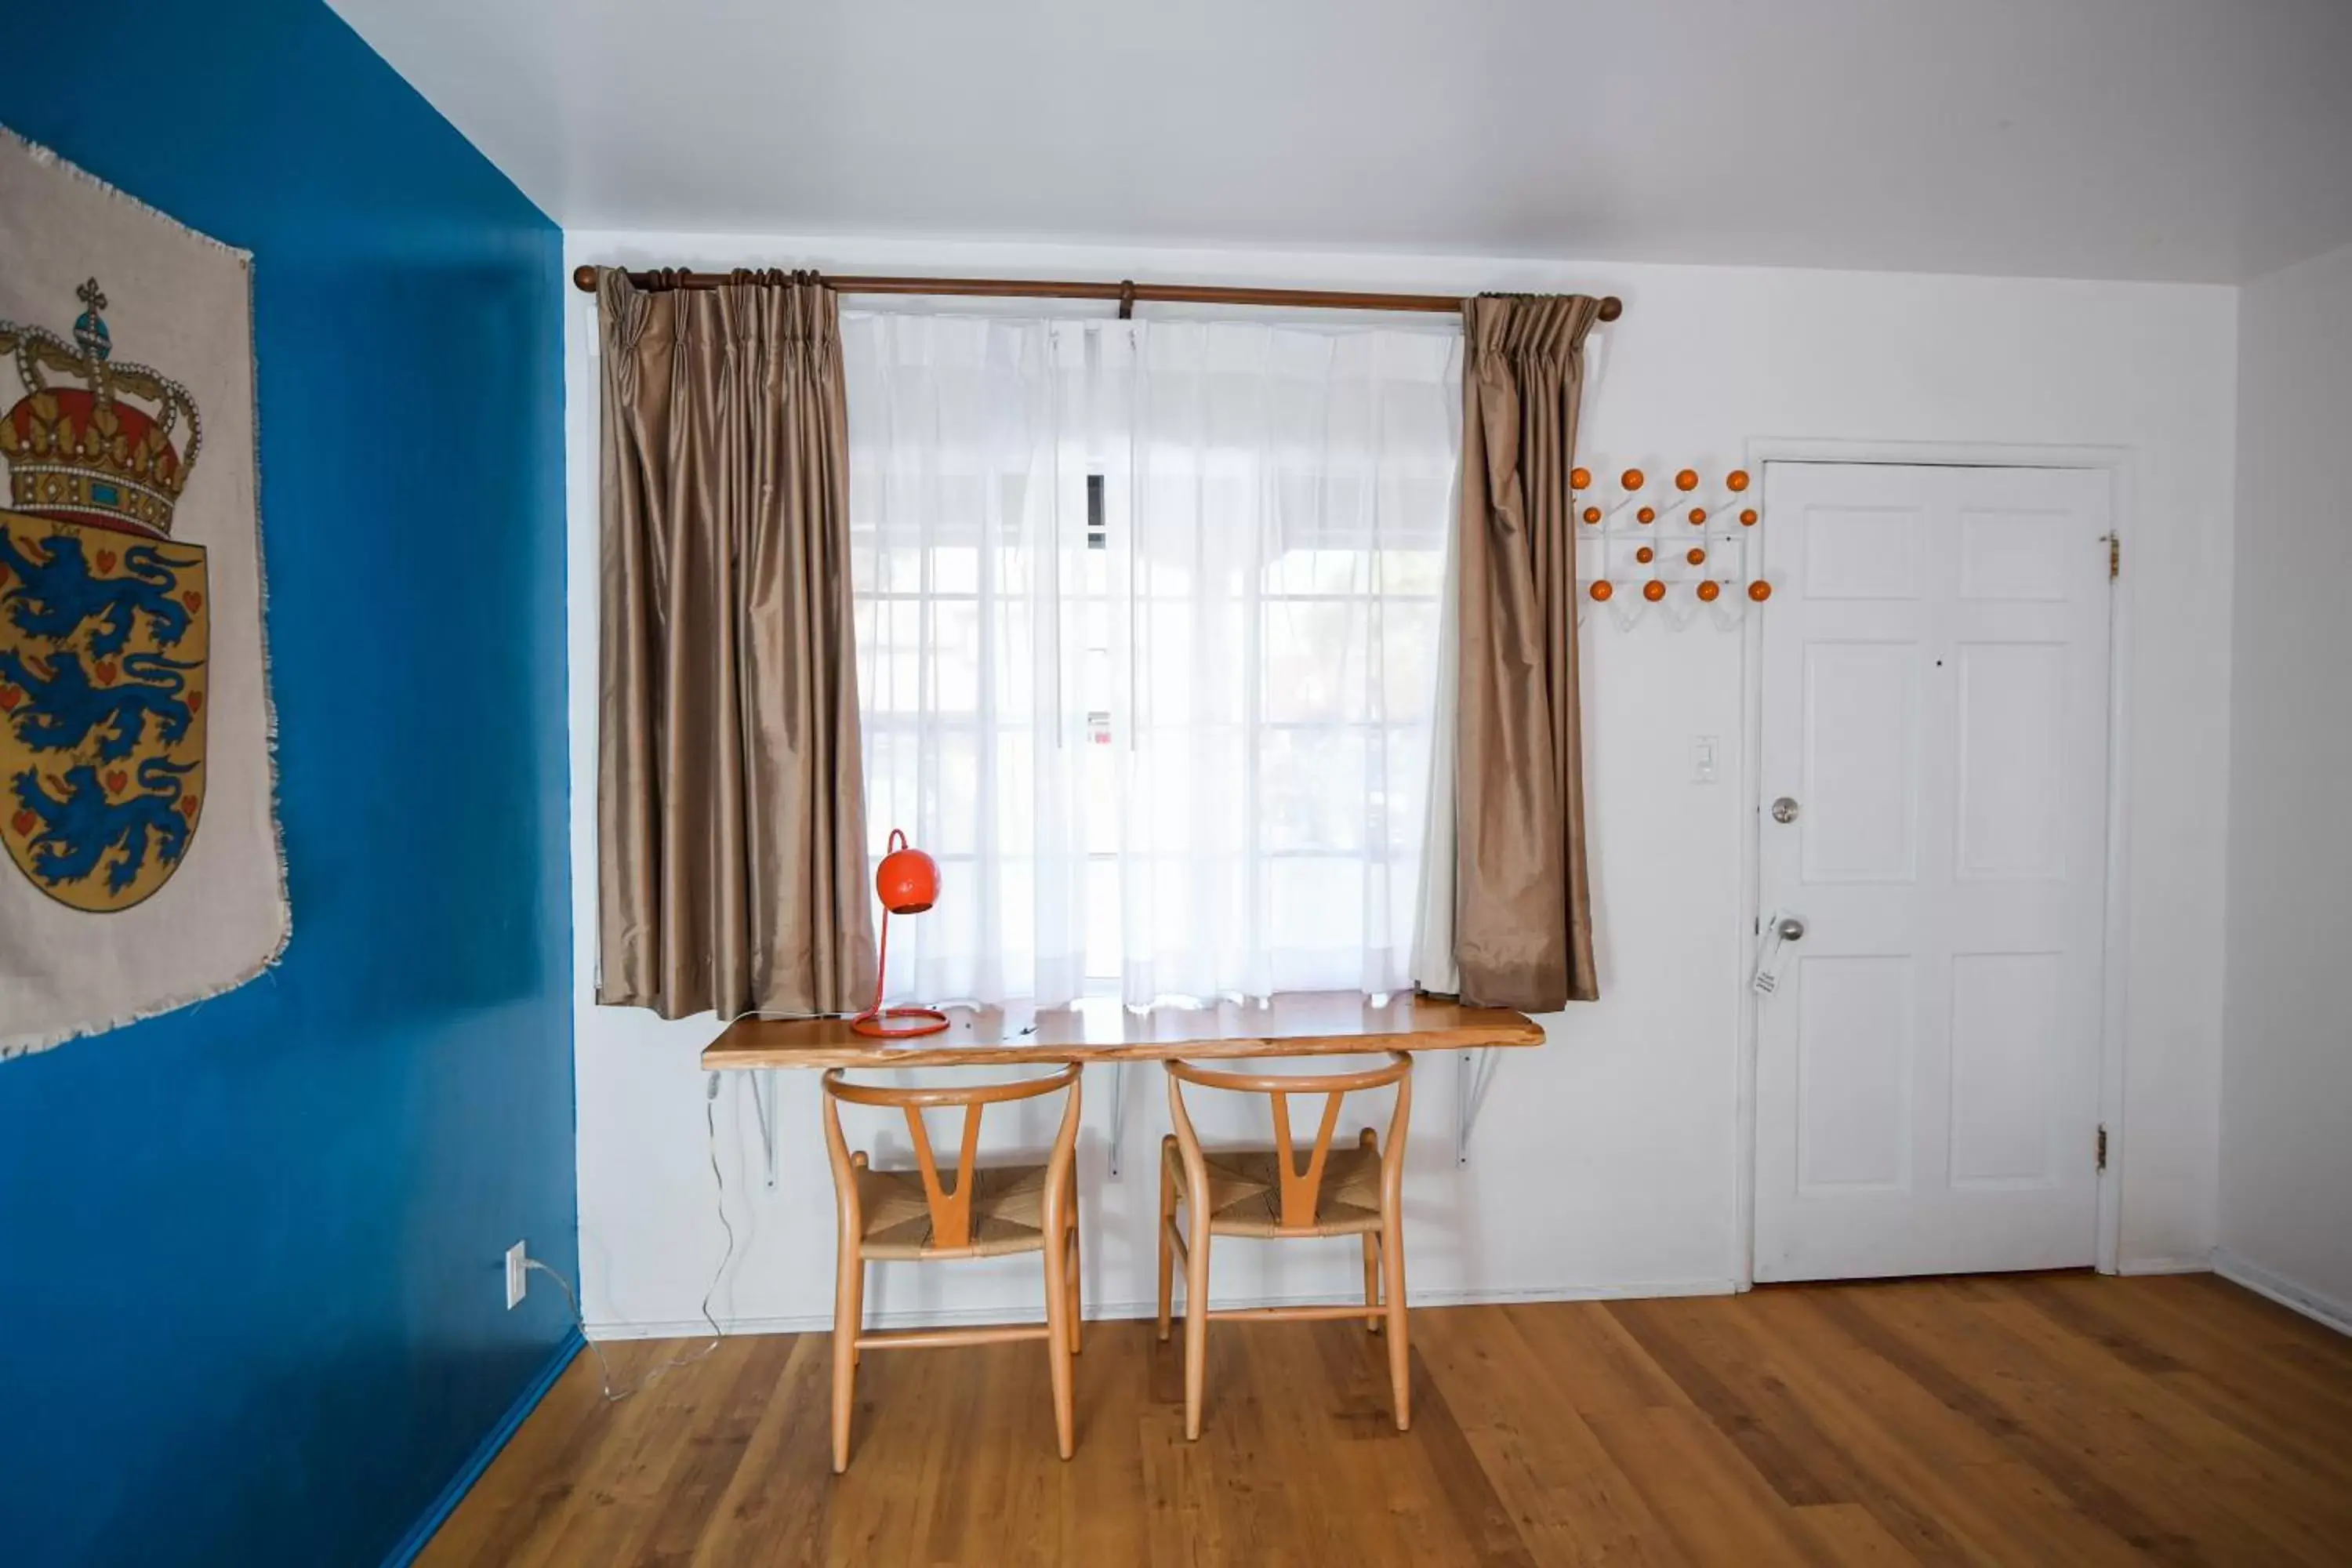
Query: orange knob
(1687, 479)
(1644, 554)
(1592, 514)
(1696, 557)
(1748, 518)
(1709, 590)
(1646, 515)
(1602, 590)
(1653, 590)
(1737, 480)
(1698, 517)
(1630, 479)
(1759, 590)
(1580, 479)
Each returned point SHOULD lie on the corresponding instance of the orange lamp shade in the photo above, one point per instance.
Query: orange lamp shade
(1696, 557)
(1648, 514)
(1687, 479)
(1698, 517)
(1709, 590)
(1747, 516)
(1592, 514)
(1737, 480)
(1580, 479)
(1759, 590)
(907, 881)
(1632, 479)
(1602, 589)
(1653, 590)
(1644, 555)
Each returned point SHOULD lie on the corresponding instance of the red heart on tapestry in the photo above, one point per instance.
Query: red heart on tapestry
(106, 560)
(105, 674)
(188, 806)
(3, 573)
(115, 781)
(9, 698)
(193, 600)
(195, 701)
(23, 822)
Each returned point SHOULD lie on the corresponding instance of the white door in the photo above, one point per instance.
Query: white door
(1935, 696)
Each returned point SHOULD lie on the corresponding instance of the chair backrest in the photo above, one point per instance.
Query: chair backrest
(1301, 1187)
(950, 1207)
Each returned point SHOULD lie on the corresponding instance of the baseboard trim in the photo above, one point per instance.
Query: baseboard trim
(2316, 1305)
(446, 1504)
(1110, 1312)
(2134, 1267)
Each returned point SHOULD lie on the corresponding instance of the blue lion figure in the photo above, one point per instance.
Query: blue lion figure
(66, 706)
(61, 594)
(76, 832)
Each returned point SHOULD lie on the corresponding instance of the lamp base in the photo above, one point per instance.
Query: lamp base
(898, 1022)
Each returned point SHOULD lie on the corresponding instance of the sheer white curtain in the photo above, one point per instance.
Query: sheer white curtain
(1148, 630)
(1283, 575)
(961, 557)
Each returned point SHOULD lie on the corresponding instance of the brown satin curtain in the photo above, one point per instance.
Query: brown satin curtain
(730, 803)
(1523, 910)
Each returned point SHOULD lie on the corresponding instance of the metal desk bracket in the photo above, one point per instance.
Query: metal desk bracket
(763, 1100)
(1473, 1079)
(1117, 1114)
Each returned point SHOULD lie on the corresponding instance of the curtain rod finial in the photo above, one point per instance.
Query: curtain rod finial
(1612, 308)
(584, 278)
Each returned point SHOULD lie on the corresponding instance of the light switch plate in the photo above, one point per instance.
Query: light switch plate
(517, 1277)
(1701, 766)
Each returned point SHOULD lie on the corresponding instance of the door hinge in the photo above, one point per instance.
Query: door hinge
(2114, 556)
(2102, 1146)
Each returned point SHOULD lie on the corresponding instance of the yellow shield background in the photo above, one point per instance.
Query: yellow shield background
(103, 637)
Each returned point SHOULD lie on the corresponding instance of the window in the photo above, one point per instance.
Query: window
(1148, 618)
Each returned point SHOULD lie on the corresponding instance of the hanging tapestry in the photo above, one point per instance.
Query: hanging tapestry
(137, 797)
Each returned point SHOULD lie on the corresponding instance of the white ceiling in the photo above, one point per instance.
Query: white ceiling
(2193, 140)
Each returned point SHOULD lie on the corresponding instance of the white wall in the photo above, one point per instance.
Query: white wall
(1628, 1122)
(2286, 1101)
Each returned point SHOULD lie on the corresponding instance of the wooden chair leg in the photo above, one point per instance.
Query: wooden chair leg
(1196, 1318)
(1400, 1363)
(1167, 1251)
(1058, 1334)
(1372, 1261)
(1076, 1276)
(849, 1288)
(858, 1303)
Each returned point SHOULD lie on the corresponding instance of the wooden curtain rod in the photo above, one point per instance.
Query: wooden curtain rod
(1127, 294)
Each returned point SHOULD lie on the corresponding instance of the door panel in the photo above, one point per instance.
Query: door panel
(1934, 703)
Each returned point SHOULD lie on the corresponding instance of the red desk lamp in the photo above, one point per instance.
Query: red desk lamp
(907, 883)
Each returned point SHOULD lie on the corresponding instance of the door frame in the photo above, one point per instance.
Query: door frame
(2119, 465)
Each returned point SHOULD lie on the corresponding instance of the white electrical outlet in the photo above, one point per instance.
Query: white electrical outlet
(517, 1277)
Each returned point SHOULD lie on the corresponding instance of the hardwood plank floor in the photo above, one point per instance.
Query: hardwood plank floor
(2038, 1419)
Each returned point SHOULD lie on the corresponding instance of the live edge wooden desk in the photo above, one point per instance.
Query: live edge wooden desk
(1301, 1023)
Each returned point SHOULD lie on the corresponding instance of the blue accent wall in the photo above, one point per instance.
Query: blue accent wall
(251, 1304)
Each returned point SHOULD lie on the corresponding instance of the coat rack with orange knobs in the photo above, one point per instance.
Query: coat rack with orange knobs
(1675, 543)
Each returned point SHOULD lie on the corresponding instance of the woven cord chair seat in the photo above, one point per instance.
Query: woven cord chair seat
(1246, 1191)
(1008, 1212)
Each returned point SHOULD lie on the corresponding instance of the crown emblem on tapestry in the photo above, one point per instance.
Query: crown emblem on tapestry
(86, 454)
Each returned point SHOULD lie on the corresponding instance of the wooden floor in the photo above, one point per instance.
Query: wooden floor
(2052, 1419)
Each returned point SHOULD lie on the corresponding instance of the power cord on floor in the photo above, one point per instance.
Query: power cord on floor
(604, 1367)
